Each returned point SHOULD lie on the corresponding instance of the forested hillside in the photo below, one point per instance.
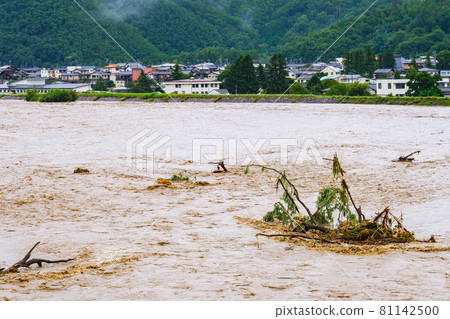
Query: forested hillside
(58, 32)
(409, 28)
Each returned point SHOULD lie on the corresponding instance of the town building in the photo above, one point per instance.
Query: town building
(8, 72)
(445, 82)
(53, 73)
(302, 78)
(41, 86)
(191, 86)
(379, 73)
(429, 70)
(331, 71)
(111, 68)
(394, 87)
(137, 71)
(352, 78)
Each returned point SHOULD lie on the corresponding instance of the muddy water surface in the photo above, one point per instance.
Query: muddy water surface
(140, 243)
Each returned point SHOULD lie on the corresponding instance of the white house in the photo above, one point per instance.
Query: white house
(445, 82)
(303, 78)
(352, 78)
(445, 73)
(349, 78)
(191, 86)
(396, 87)
(111, 68)
(331, 71)
(82, 69)
(213, 76)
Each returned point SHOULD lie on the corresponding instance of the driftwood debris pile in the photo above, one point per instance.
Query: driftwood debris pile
(336, 219)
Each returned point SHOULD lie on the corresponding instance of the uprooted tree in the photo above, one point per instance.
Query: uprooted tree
(336, 218)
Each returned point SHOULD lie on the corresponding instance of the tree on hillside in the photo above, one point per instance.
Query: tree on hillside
(241, 78)
(277, 81)
(143, 84)
(428, 63)
(298, 88)
(370, 61)
(443, 60)
(386, 59)
(328, 83)
(412, 72)
(347, 62)
(358, 89)
(338, 89)
(262, 76)
(100, 85)
(360, 62)
(414, 64)
(353, 89)
(423, 84)
(223, 76)
(314, 85)
(176, 73)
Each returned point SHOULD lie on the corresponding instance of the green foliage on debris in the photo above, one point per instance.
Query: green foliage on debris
(276, 214)
(369, 231)
(333, 199)
(179, 178)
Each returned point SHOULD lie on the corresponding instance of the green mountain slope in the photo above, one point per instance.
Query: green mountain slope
(406, 27)
(58, 32)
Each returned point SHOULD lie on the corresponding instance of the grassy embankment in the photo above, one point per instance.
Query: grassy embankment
(292, 98)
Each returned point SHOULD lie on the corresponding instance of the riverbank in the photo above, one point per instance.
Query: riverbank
(288, 98)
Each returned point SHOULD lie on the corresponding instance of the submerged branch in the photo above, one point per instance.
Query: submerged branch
(408, 157)
(27, 262)
(297, 235)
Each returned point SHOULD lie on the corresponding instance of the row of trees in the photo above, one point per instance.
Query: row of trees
(242, 77)
(365, 62)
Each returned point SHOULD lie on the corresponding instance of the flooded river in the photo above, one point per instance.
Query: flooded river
(133, 241)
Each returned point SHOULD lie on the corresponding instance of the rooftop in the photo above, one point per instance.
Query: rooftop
(193, 81)
(383, 70)
(428, 70)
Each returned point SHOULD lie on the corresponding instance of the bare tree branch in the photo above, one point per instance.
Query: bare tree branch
(27, 262)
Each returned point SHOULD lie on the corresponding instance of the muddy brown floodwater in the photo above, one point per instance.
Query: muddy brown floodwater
(132, 241)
